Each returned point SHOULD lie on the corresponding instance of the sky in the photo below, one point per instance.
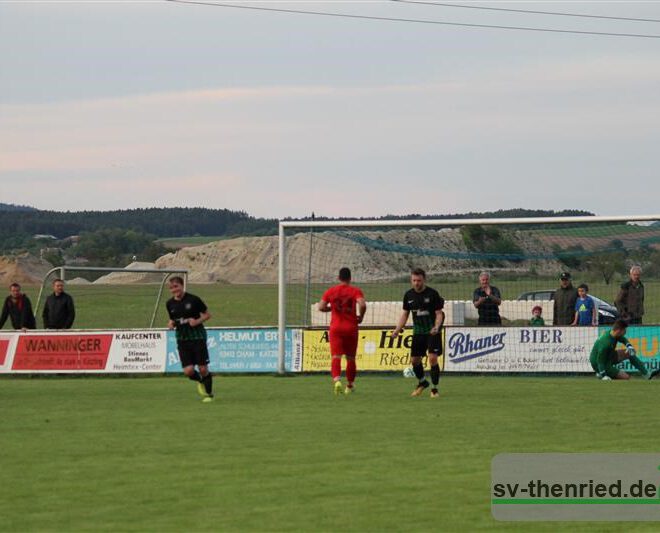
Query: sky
(116, 105)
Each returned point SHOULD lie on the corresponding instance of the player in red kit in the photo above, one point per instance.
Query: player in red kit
(348, 307)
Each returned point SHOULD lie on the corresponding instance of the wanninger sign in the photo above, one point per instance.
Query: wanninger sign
(70, 352)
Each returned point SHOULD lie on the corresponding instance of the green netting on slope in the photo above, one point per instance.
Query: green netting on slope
(386, 246)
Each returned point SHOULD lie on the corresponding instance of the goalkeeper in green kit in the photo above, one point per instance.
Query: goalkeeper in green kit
(604, 355)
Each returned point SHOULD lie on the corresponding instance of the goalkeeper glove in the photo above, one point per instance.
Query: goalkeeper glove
(606, 378)
(631, 350)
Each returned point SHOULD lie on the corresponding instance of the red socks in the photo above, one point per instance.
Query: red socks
(335, 369)
(351, 370)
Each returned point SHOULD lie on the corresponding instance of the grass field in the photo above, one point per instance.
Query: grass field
(275, 454)
(130, 306)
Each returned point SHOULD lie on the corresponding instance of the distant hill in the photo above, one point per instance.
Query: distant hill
(184, 221)
(161, 222)
(13, 207)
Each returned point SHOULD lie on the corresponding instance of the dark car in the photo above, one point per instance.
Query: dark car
(607, 313)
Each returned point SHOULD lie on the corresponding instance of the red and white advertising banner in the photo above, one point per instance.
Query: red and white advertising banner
(6, 349)
(128, 351)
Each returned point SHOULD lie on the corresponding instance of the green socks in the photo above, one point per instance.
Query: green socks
(637, 363)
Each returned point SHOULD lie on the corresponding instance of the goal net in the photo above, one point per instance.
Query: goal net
(525, 259)
(113, 298)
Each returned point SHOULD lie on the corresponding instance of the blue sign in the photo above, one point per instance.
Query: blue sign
(243, 350)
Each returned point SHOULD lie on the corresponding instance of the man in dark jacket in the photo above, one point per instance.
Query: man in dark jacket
(564, 301)
(18, 308)
(630, 300)
(59, 312)
(487, 299)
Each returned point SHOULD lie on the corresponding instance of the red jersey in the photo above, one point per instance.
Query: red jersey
(343, 305)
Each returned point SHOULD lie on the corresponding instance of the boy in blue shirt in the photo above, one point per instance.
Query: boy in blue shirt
(586, 312)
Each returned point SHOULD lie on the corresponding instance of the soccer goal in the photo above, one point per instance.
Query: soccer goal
(112, 298)
(523, 257)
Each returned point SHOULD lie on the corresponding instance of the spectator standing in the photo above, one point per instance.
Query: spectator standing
(59, 311)
(630, 300)
(487, 299)
(586, 312)
(537, 319)
(18, 308)
(564, 301)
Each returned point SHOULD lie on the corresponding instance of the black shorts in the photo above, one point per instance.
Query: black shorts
(425, 343)
(193, 352)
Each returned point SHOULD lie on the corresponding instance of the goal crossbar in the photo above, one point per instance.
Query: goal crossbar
(461, 221)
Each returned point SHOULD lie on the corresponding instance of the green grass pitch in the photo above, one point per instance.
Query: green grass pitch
(284, 454)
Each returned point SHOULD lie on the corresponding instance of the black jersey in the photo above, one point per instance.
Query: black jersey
(190, 306)
(423, 306)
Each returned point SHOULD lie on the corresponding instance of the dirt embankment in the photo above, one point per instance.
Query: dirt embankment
(125, 278)
(372, 255)
(22, 268)
(241, 260)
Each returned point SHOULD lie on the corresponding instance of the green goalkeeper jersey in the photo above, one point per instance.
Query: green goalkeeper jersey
(603, 353)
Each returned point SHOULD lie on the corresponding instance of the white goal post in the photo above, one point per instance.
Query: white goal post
(375, 225)
(61, 271)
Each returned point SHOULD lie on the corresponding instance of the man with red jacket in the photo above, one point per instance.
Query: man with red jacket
(18, 308)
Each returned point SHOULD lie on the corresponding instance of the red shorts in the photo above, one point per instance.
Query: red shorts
(343, 343)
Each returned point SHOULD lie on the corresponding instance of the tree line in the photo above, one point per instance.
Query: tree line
(18, 224)
(112, 237)
(162, 222)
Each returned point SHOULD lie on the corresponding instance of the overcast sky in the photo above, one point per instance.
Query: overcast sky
(126, 104)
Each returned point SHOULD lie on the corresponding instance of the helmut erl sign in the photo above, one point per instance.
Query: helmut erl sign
(519, 349)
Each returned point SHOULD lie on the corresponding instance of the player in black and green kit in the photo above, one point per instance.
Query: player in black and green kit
(426, 306)
(604, 355)
(187, 315)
